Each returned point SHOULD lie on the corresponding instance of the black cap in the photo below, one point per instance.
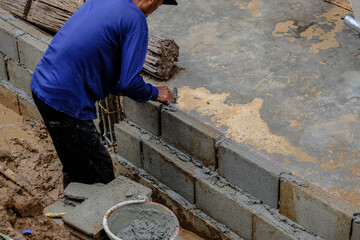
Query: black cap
(169, 2)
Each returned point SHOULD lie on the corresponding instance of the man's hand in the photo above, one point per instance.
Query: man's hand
(165, 96)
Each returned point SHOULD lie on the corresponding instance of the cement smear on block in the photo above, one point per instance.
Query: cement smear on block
(138, 222)
(357, 218)
(291, 178)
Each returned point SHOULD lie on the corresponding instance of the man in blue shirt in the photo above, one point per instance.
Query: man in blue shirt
(100, 50)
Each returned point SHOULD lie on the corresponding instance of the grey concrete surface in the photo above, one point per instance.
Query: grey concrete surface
(146, 115)
(169, 169)
(87, 217)
(190, 135)
(31, 50)
(251, 171)
(280, 75)
(19, 76)
(128, 140)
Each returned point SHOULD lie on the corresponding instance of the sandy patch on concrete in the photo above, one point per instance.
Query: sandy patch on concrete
(252, 5)
(322, 34)
(243, 121)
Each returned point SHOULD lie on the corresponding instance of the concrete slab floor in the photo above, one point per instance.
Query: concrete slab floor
(282, 76)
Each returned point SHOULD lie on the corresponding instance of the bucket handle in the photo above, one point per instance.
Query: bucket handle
(111, 210)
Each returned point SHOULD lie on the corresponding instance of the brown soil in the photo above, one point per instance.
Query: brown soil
(33, 178)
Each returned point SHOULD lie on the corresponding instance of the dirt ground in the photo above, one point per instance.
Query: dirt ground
(34, 178)
(31, 179)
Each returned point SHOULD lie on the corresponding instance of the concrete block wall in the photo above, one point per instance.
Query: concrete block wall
(243, 168)
(21, 48)
(210, 193)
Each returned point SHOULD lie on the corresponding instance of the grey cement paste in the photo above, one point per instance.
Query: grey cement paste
(143, 222)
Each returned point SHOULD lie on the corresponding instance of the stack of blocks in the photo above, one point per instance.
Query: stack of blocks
(233, 183)
(21, 48)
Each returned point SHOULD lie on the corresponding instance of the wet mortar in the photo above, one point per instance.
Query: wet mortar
(140, 222)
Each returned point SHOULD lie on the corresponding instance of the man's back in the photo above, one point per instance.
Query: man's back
(86, 57)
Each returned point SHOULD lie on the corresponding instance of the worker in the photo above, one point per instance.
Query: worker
(100, 50)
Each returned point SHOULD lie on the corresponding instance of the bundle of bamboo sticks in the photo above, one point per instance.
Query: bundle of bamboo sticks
(161, 55)
(52, 14)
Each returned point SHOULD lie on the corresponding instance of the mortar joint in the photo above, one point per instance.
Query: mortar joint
(289, 177)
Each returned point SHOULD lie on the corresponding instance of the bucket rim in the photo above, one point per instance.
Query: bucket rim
(140, 201)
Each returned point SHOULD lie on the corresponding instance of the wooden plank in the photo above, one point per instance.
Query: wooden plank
(341, 3)
(16, 7)
(52, 14)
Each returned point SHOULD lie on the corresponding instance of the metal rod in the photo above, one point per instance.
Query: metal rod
(109, 121)
(104, 124)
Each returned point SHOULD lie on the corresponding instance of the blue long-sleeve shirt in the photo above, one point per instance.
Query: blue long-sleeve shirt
(100, 50)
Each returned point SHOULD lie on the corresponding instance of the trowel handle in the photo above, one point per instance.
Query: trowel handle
(350, 21)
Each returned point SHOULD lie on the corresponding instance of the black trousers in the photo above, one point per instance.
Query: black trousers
(78, 145)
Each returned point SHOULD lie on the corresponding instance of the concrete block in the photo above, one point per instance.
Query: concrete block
(169, 169)
(28, 108)
(31, 51)
(264, 229)
(146, 115)
(80, 191)
(3, 70)
(9, 98)
(19, 76)
(250, 170)
(87, 217)
(316, 210)
(128, 143)
(8, 44)
(224, 205)
(355, 235)
(190, 135)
